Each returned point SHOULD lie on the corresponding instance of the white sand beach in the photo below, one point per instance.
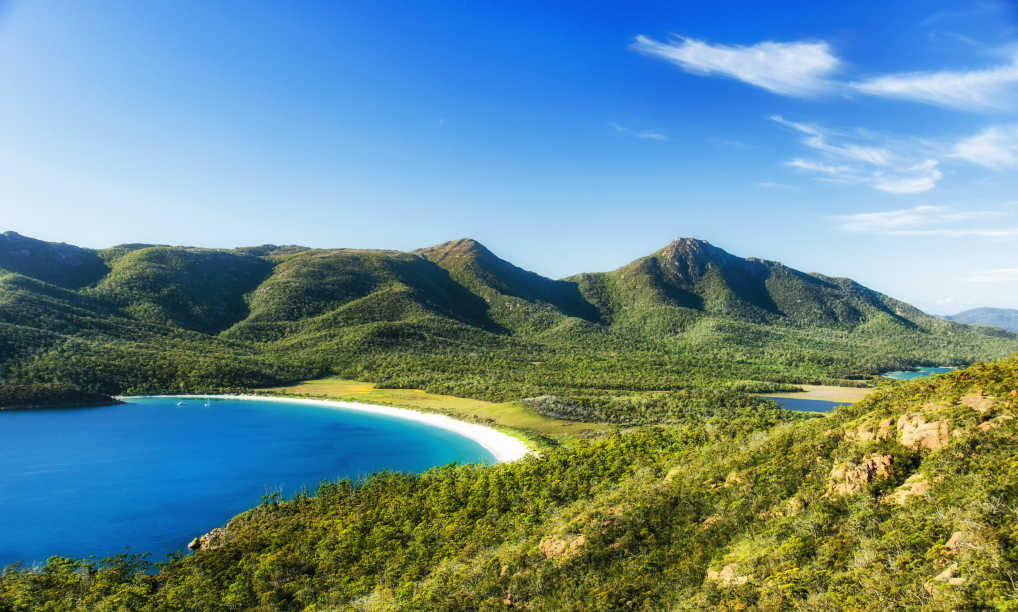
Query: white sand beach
(503, 447)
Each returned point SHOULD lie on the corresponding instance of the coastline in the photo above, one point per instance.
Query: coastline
(503, 447)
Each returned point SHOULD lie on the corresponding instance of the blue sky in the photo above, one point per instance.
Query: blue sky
(872, 140)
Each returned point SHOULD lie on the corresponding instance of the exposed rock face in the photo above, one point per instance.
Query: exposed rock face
(947, 577)
(210, 541)
(915, 431)
(869, 432)
(558, 547)
(994, 423)
(978, 402)
(915, 485)
(847, 478)
(956, 542)
(727, 576)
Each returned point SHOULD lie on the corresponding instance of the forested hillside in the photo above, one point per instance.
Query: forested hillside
(451, 318)
(906, 500)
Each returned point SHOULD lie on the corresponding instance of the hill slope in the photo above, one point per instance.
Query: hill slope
(903, 501)
(1004, 318)
(453, 318)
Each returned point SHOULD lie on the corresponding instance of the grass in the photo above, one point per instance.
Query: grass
(827, 393)
(514, 417)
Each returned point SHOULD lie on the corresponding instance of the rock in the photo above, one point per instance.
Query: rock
(914, 431)
(847, 478)
(915, 485)
(210, 541)
(727, 576)
(956, 541)
(709, 521)
(947, 577)
(978, 402)
(994, 423)
(867, 432)
(553, 547)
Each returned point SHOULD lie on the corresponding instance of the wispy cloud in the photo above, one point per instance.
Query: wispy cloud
(927, 221)
(788, 68)
(807, 68)
(981, 89)
(995, 275)
(893, 166)
(642, 134)
(995, 147)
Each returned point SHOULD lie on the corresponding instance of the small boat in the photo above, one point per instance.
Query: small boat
(180, 403)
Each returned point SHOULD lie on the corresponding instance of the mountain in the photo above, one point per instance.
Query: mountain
(1004, 318)
(450, 318)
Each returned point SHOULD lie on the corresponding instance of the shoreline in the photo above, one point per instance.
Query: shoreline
(503, 447)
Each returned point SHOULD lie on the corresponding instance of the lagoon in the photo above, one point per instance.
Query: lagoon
(149, 475)
(805, 405)
(917, 373)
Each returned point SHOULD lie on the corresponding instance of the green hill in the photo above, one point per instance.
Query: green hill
(453, 318)
(1004, 318)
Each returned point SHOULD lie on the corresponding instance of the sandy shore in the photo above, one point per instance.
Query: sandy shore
(503, 446)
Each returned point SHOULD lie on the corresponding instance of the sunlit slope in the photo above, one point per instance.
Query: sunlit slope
(453, 318)
(903, 501)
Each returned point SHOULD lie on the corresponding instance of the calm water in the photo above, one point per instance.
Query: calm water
(806, 405)
(151, 475)
(917, 373)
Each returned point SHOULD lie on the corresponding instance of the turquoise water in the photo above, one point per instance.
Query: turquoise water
(150, 475)
(917, 373)
(805, 405)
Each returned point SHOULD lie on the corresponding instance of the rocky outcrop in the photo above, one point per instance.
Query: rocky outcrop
(554, 547)
(727, 576)
(848, 478)
(978, 402)
(994, 423)
(210, 541)
(915, 485)
(915, 431)
(872, 432)
(948, 577)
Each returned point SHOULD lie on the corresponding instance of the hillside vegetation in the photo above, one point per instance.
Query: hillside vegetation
(906, 500)
(452, 318)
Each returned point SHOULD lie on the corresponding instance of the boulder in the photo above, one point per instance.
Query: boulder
(915, 431)
(210, 541)
(978, 402)
(727, 576)
(915, 485)
(847, 478)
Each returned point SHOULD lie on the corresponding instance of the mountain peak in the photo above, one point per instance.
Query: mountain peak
(454, 249)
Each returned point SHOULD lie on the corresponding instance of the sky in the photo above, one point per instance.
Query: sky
(873, 140)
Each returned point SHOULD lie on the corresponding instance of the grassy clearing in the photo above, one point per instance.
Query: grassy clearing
(512, 416)
(827, 393)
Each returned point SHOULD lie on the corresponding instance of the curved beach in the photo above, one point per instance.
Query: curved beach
(503, 447)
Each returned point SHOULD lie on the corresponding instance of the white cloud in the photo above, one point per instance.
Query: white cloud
(893, 166)
(642, 134)
(926, 221)
(794, 68)
(995, 147)
(986, 89)
(996, 275)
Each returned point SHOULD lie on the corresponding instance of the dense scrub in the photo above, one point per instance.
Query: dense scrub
(453, 318)
(49, 395)
(906, 500)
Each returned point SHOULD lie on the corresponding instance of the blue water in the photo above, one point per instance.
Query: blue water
(917, 373)
(805, 405)
(150, 475)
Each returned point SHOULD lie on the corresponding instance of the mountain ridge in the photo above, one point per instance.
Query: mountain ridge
(289, 312)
